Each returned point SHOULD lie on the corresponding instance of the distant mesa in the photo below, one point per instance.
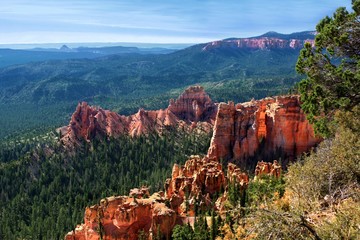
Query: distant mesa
(269, 40)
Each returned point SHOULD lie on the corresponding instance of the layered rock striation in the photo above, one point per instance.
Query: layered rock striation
(261, 129)
(192, 109)
(258, 43)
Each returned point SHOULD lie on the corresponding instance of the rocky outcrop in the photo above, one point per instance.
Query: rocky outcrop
(194, 183)
(266, 168)
(125, 218)
(192, 109)
(234, 174)
(192, 187)
(258, 43)
(261, 129)
(235, 177)
(139, 192)
(193, 105)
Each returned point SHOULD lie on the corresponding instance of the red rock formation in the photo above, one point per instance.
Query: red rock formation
(124, 218)
(193, 108)
(274, 123)
(91, 122)
(239, 131)
(139, 193)
(267, 168)
(258, 43)
(197, 180)
(234, 174)
(193, 105)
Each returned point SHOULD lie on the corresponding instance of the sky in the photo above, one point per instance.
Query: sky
(155, 21)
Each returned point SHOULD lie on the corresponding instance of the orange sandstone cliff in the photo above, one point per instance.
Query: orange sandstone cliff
(194, 183)
(125, 217)
(193, 108)
(260, 129)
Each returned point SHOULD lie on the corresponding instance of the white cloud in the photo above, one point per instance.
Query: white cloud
(173, 20)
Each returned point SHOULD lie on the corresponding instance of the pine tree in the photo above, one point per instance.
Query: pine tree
(332, 68)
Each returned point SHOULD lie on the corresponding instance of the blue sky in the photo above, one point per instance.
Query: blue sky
(155, 21)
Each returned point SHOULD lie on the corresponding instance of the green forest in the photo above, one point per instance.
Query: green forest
(45, 191)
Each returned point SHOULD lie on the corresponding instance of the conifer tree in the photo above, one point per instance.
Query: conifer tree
(332, 68)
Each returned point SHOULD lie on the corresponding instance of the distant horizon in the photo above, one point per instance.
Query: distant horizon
(58, 45)
(158, 21)
(170, 45)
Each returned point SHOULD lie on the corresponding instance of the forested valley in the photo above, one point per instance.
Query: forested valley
(44, 190)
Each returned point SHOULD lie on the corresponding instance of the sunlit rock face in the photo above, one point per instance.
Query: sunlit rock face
(193, 109)
(258, 43)
(125, 218)
(194, 183)
(239, 130)
(267, 168)
(193, 105)
(270, 125)
(191, 186)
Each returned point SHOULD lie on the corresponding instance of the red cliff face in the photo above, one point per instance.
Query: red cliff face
(89, 122)
(123, 218)
(276, 124)
(193, 108)
(258, 43)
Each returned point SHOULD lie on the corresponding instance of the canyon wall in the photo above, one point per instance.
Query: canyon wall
(261, 129)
